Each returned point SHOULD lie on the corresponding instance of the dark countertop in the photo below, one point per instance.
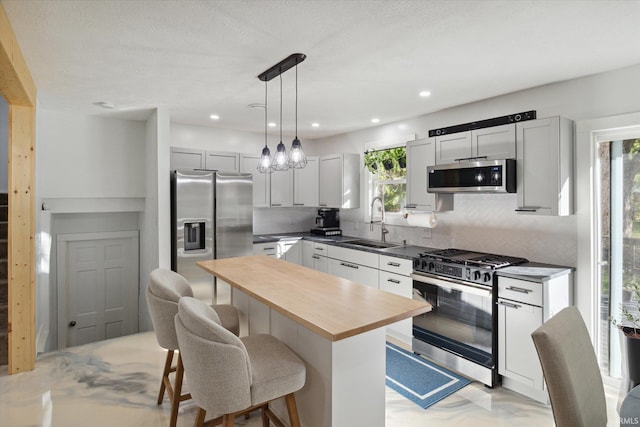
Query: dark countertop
(534, 271)
(531, 271)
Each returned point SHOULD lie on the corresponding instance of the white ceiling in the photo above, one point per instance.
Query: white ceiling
(365, 58)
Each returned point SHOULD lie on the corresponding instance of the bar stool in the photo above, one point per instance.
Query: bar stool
(230, 376)
(163, 292)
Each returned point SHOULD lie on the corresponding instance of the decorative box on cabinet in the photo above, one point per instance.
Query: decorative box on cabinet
(545, 166)
(523, 306)
(496, 142)
(340, 181)
(420, 154)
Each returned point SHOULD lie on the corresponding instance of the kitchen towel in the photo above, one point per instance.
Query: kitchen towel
(422, 220)
(419, 380)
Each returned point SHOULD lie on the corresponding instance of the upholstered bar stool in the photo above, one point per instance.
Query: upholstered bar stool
(163, 292)
(229, 376)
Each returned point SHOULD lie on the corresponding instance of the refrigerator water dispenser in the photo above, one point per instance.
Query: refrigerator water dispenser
(194, 236)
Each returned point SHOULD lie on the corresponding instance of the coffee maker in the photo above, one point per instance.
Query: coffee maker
(327, 222)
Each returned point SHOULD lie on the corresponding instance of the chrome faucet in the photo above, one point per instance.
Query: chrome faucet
(383, 229)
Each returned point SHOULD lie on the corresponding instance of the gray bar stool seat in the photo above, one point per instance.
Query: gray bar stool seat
(230, 376)
(163, 292)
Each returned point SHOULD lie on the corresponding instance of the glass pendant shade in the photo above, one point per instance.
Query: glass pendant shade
(265, 164)
(297, 159)
(280, 161)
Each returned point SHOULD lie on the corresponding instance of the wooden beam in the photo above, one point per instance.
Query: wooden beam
(16, 84)
(18, 89)
(20, 239)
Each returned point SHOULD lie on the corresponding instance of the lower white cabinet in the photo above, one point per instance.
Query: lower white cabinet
(357, 273)
(522, 307)
(270, 249)
(290, 250)
(395, 277)
(314, 255)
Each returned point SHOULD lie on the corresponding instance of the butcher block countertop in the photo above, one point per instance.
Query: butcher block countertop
(330, 306)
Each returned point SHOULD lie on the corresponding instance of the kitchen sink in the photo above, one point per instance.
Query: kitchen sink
(373, 244)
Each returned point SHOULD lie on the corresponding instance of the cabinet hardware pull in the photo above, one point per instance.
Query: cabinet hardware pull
(349, 265)
(410, 206)
(508, 304)
(319, 249)
(469, 158)
(393, 264)
(315, 257)
(276, 204)
(528, 209)
(322, 204)
(393, 281)
(521, 290)
(269, 249)
(298, 204)
(72, 323)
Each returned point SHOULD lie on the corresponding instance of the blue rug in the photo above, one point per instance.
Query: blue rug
(419, 380)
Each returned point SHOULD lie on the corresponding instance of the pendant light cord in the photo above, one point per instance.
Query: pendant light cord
(265, 113)
(296, 100)
(280, 107)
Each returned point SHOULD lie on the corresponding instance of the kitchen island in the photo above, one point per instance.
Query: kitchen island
(335, 325)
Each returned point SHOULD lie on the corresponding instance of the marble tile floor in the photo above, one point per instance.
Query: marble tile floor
(115, 382)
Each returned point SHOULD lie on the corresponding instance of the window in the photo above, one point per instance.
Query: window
(388, 178)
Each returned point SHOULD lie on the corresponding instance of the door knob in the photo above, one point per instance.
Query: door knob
(72, 323)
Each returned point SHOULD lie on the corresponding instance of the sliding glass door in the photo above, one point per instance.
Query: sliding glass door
(617, 187)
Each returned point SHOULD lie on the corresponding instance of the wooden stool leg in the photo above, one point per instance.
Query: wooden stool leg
(177, 392)
(165, 374)
(292, 409)
(228, 420)
(265, 417)
(200, 417)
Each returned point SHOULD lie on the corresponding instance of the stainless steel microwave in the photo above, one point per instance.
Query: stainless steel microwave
(488, 176)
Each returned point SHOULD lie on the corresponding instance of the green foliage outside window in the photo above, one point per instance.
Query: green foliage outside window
(390, 173)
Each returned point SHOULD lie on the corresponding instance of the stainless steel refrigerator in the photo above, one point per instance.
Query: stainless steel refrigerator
(211, 217)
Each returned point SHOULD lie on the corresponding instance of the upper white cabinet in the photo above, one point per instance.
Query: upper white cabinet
(420, 154)
(261, 181)
(545, 166)
(497, 142)
(305, 184)
(282, 188)
(339, 181)
(186, 158)
(222, 161)
(189, 158)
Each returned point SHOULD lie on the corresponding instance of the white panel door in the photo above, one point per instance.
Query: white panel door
(98, 286)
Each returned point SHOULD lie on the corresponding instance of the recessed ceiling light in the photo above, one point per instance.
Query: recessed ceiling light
(272, 124)
(425, 93)
(315, 125)
(375, 120)
(214, 117)
(105, 104)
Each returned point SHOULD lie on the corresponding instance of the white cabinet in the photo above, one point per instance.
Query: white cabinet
(545, 166)
(222, 161)
(291, 250)
(186, 158)
(496, 142)
(282, 188)
(261, 181)
(339, 181)
(522, 307)
(359, 266)
(314, 255)
(395, 277)
(355, 272)
(305, 184)
(189, 158)
(420, 154)
(270, 249)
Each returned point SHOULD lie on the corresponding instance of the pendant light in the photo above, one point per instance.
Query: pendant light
(297, 159)
(280, 161)
(265, 164)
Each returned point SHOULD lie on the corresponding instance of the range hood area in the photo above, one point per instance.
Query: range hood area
(489, 176)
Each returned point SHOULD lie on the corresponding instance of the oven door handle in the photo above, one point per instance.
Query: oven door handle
(452, 284)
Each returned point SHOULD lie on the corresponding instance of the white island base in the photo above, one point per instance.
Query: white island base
(345, 383)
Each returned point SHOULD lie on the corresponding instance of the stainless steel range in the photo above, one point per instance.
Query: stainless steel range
(460, 331)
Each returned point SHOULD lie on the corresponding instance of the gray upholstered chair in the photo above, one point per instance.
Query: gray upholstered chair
(229, 376)
(571, 371)
(163, 292)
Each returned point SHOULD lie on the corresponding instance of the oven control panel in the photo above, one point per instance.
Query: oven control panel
(483, 276)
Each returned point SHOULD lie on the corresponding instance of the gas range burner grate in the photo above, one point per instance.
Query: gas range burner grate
(476, 259)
